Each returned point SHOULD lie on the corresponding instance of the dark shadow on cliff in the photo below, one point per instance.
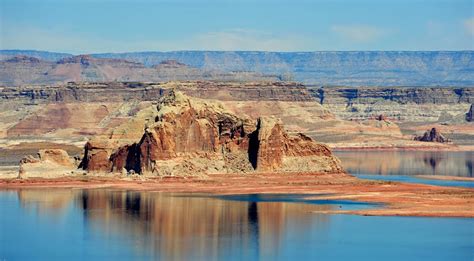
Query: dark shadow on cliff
(133, 158)
(253, 148)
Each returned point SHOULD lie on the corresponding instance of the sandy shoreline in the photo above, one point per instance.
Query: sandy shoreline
(396, 199)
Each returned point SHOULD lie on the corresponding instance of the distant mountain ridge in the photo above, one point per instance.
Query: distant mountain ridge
(349, 68)
(25, 70)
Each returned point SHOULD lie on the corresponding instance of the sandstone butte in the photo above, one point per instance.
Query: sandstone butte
(432, 135)
(191, 136)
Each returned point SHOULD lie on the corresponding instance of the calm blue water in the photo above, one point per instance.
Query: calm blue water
(405, 166)
(122, 225)
(411, 163)
(410, 179)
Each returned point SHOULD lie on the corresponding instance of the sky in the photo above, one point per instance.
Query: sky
(88, 26)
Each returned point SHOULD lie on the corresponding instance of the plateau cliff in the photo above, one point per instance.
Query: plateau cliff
(128, 91)
(23, 70)
(421, 104)
(354, 68)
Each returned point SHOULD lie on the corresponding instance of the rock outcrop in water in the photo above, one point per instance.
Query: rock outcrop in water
(189, 136)
(432, 135)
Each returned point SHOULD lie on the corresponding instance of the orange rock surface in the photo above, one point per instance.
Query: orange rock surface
(195, 135)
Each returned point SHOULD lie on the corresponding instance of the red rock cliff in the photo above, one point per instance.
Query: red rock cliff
(194, 136)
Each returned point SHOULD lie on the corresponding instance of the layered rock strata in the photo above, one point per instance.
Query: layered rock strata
(22, 70)
(193, 136)
(417, 104)
(127, 91)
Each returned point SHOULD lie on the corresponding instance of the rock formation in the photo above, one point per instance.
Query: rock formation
(432, 135)
(193, 136)
(50, 163)
(470, 114)
(381, 117)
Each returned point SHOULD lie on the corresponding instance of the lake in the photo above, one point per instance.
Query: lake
(446, 163)
(410, 166)
(105, 224)
(98, 224)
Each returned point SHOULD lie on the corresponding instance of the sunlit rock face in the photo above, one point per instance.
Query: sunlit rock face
(49, 163)
(193, 136)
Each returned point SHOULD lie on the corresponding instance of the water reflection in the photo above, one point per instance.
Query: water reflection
(63, 224)
(50, 204)
(177, 226)
(408, 162)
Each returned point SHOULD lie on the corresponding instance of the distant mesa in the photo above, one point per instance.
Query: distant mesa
(432, 135)
(170, 64)
(82, 59)
(85, 59)
(23, 59)
(24, 70)
(352, 68)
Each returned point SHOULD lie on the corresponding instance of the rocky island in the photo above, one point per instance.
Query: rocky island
(197, 130)
(186, 144)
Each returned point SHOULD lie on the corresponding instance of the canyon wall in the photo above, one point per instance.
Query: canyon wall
(419, 104)
(129, 91)
(397, 103)
(351, 68)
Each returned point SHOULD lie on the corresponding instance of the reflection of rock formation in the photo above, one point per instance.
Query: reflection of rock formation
(54, 202)
(408, 162)
(469, 167)
(183, 227)
(433, 160)
(369, 162)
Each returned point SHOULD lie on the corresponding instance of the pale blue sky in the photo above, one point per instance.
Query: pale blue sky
(89, 26)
